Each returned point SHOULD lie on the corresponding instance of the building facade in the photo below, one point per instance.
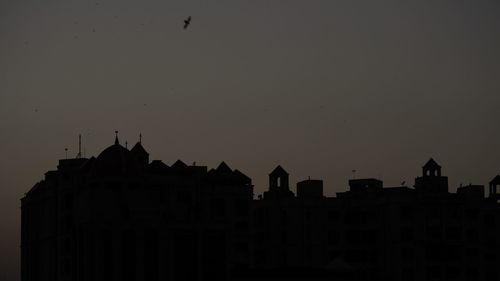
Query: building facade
(120, 216)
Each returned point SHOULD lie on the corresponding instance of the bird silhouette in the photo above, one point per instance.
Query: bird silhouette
(187, 22)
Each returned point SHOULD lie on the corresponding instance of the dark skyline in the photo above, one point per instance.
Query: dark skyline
(322, 87)
(120, 216)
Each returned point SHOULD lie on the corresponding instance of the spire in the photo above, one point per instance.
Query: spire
(140, 138)
(116, 138)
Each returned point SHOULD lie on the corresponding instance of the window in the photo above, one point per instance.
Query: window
(333, 237)
(370, 236)
(333, 215)
(453, 253)
(151, 255)
(489, 221)
(406, 213)
(407, 234)
(106, 255)
(353, 237)
(407, 254)
(472, 274)
(453, 273)
(471, 214)
(407, 274)
(241, 248)
(284, 217)
(184, 197)
(471, 235)
(68, 201)
(433, 273)
(241, 226)
(218, 207)
(260, 257)
(471, 253)
(491, 275)
(284, 237)
(67, 245)
(241, 207)
(433, 253)
(433, 233)
(453, 233)
(129, 255)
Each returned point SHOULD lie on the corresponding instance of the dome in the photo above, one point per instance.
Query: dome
(115, 160)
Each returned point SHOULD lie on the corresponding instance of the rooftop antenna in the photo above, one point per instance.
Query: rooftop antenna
(140, 138)
(126, 144)
(79, 155)
(66, 151)
(116, 138)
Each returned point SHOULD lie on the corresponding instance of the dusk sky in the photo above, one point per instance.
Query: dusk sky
(320, 87)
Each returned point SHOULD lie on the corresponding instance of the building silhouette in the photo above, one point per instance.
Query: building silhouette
(120, 216)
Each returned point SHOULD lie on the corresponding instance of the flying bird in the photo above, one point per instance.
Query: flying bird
(187, 22)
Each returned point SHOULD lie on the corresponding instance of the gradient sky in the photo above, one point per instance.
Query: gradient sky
(320, 87)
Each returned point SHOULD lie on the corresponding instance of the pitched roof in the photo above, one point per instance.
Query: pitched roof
(158, 167)
(278, 171)
(179, 165)
(87, 166)
(431, 164)
(224, 168)
(139, 149)
(241, 178)
(495, 180)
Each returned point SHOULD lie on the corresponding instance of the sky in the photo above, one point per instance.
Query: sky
(319, 87)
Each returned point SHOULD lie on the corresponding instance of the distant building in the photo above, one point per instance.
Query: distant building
(121, 216)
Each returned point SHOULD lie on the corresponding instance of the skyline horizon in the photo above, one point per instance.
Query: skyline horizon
(323, 88)
(123, 144)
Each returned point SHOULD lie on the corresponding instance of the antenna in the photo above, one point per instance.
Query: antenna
(66, 151)
(140, 138)
(79, 155)
(126, 144)
(353, 174)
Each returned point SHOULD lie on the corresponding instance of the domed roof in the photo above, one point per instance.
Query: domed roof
(115, 160)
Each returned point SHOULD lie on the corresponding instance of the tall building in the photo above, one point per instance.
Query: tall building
(120, 216)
